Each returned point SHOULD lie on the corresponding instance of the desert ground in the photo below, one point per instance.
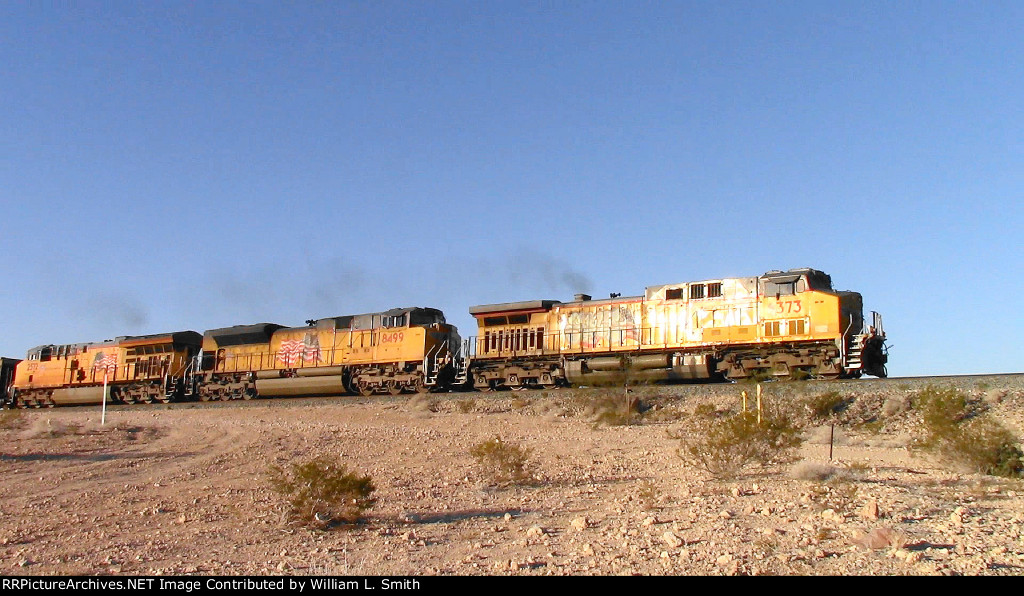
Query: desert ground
(184, 489)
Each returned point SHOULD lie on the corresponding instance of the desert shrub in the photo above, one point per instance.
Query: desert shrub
(614, 408)
(825, 405)
(422, 402)
(10, 419)
(723, 446)
(958, 431)
(47, 428)
(648, 494)
(503, 462)
(520, 403)
(322, 492)
(466, 405)
(895, 405)
(814, 471)
(707, 411)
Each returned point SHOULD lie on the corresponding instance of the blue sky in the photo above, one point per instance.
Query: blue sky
(172, 165)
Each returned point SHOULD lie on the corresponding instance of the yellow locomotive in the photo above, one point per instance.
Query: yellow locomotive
(399, 350)
(131, 369)
(781, 324)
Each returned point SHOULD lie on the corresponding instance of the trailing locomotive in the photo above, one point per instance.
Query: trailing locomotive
(782, 324)
(400, 350)
(137, 369)
(407, 349)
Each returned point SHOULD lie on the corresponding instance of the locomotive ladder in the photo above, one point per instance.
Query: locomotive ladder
(432, 365)
(463, 360)
(853, 355)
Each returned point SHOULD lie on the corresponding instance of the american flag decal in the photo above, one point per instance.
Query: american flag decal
(106, 361)
(294, 351)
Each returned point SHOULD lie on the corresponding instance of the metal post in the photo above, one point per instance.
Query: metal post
(106, 389)
(759, 403)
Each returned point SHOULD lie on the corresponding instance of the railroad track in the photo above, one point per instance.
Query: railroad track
(680, 390)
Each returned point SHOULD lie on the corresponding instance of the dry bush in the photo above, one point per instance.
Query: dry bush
(615, 408)
(10, 419)
(322, 492)
(503, 462)
(960, 431)
(466, 405)
(895, 405)
(814, 471)
(724, 446)
(520, 403)
(826, 405)
(422, 402)
(48, 428)
(648, 494)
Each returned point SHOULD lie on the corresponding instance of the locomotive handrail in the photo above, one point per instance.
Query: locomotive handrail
(842, 343)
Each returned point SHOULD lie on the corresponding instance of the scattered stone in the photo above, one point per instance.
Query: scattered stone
(869, 511)
(670, 539)
(878, 538)
(580, 523)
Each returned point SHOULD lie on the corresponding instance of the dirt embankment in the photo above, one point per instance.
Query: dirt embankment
(183, 489)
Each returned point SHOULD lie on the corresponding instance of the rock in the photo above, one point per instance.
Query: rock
(670, 539)
(869, 511)
(535, 531)
(878, 538)
(579, 524)
(832, 515)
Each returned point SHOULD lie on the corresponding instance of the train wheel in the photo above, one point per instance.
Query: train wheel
(420, 386)
(249, 393)
(393, 387)
(365, 390)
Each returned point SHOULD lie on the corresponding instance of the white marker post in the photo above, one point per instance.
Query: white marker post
(106, 389)
(759, 403)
